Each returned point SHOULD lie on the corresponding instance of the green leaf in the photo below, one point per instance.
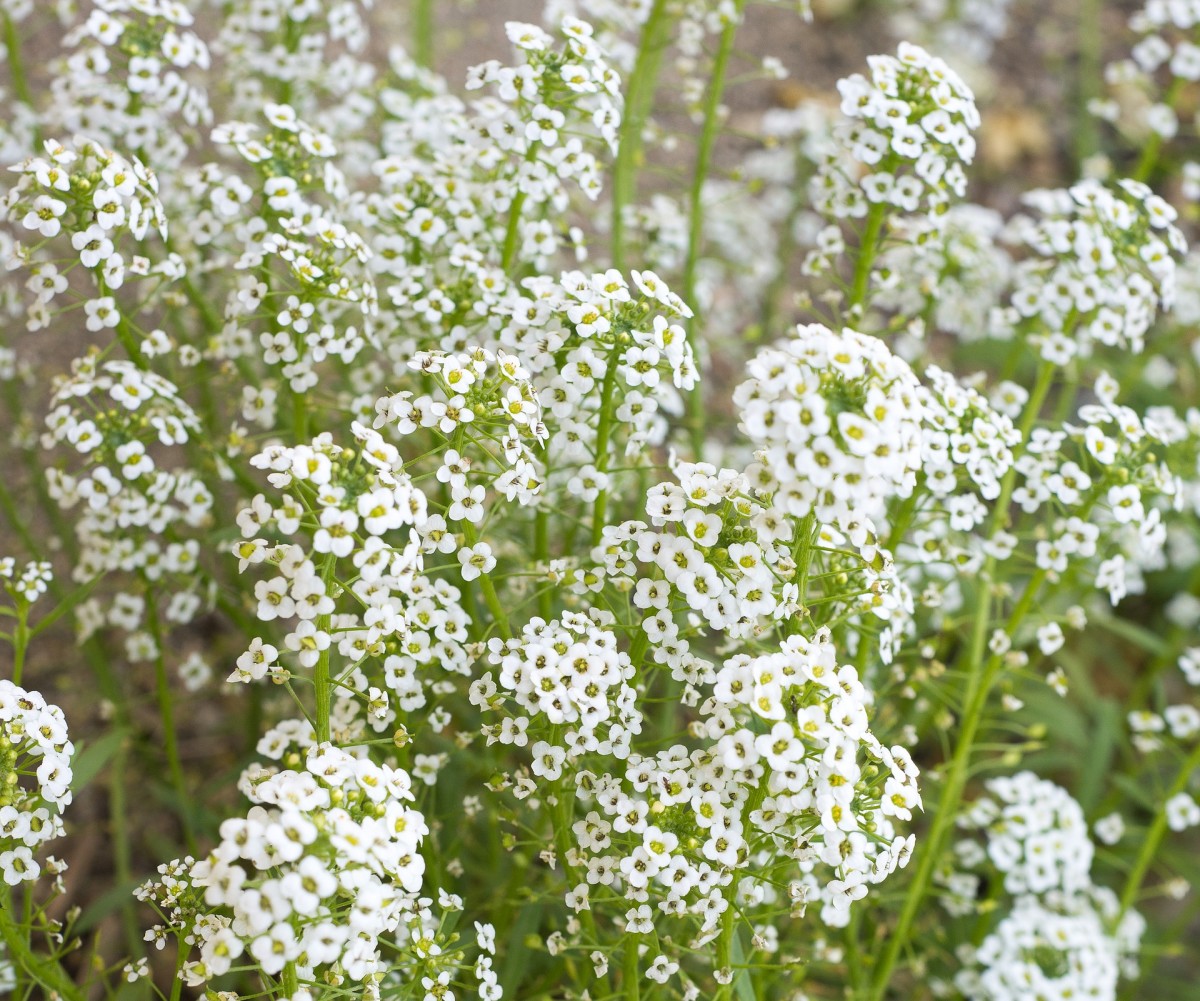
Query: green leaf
(89, 762)
(743, 986)
(1096, 766)
(109, 902)
(1139, 636)
(66, 605)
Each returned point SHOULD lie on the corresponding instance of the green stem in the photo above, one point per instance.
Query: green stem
(704, 151)
(291, 983)
(603, 433)
(46, 973)
(489, 591)
(981, 675)
(1149, 158)
(16, 66)
(541, 554)
(867, 250)
(1088, 75)
(321, 680)
(1158, 830)
(638, 98)
(20, 640)
(725, 949)
(631, 979)
(299, 417)
(422, 25)
(166, 711)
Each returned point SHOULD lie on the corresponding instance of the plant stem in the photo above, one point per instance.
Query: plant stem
(638, 97)
(16, 67)
(1149, 158)
(422, 25)
(20, 640)
(704, 151)
(603, 433)
(1088, 75)
(321, 683)
(541, 553)
(290, 982)
(46, 973)
(725, 948)
(166, 712)
(489, 591)
(1154, 836)
(981, 675)
(867, 250)
(631, 980)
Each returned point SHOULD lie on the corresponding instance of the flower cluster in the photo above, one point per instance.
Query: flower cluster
(836, 423)
(100, 201)
(822, 802)
(116, 416)
(910, 124)
(1063, 936)
(321, 871)
(1102, 260)
(35, 760)
(570, 674)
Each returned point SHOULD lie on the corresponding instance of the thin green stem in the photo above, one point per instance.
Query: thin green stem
(868, 248)
(166, 712)
(631, 978)
(1158, 830)
(46, 973)
(422, 29)
(20, 640)
(541, 554)
(1088, 74)
(725, 949)
(291, 983)
(638, 98)
(1150, 152)
(704, 152)
(491, 599)
(321, 682)
(981, 675)
(603, 433)
(16, 66)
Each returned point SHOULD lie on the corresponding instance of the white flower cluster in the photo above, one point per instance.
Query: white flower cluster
(1063, 936)
(137, 510)
(1036, 834)
(822, 802)
(836, 423)
(910, 124)
(337, 496)
(569, 672)
(320, 873)
(953, 271)
(35, 761)
(1059, 946)
(481, 396)
(1146, 88)
(1113, 477)
(1102, 261)
(30, 584)
(964, 431)
(92, 197)
(321, 300)
(129, 79)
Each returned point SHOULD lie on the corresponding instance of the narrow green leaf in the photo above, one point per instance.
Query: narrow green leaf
(89, 762)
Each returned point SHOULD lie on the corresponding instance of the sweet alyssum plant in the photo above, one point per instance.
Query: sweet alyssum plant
(384, 429)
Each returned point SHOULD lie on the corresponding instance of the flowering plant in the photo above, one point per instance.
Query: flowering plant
(413, 515)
